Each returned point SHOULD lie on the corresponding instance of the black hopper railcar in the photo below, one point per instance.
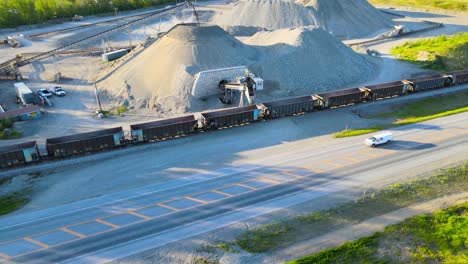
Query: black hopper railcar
(79, 144)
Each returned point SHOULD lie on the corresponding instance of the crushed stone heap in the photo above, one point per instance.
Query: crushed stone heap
(343, 18)
(291, 61)
(348, 18)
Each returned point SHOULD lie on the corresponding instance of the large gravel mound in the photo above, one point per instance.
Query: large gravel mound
(343, 18)
(349, 18)
(162, 75)
(292, 62)
(267, 14)
(309, 60)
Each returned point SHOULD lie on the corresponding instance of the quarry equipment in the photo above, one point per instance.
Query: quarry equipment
(246, 86)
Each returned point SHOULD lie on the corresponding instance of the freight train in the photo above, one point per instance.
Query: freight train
(107, 139)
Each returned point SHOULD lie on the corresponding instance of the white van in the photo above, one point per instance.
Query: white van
(382, 138)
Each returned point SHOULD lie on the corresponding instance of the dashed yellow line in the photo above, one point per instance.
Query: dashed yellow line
(222, 193)
(291, 173)
(72, 232)
(196, 200)
(311, 167)
(327, 162)
(138, 215)
(264, 178)
(106, 223)
(36, 242)
(5, 256)
(167, 206)
(350, 159)
(245, 186)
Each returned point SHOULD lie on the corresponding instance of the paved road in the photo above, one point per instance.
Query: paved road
(145, 218)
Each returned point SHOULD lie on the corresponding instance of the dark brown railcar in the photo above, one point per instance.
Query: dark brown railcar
(459, 77)
(290, 106)
(385, 90)
(79, 144)
(161, 129)
(344, 97)
(19, 154)
(429, 82)
(231, 117)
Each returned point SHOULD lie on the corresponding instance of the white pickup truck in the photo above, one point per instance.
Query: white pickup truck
(57, 90)
(378, 139)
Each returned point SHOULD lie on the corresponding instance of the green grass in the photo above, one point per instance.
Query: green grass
(14, 201)
(440, 237)
(115, 111)
(8, 124)
(357, 132)
(422, 110)
(459, 5)
(441, 53)
(370, 204)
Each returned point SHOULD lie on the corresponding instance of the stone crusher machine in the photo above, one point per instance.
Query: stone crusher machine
(246, 86)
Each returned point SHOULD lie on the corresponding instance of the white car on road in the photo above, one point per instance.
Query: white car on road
(44, 93)
(378, 139)
(57, 90)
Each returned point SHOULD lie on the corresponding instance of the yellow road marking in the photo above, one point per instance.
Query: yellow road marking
(72, 232)
(106, 223)
(139, 215)
(196, 200)
(222, 193)
(167, 206)
(36, 242)
(270, 180)
(246, 186)
(350, 159)
(5, 256)
(291, 173)
(331, 163)
(313, 169)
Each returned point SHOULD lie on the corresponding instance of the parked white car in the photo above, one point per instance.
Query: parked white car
(44, 93)
(57, 90)
(379, 139)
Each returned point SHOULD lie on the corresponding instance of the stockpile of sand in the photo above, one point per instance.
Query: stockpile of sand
(265, 14)
(162, 76)
(309, 60)
(292, 62)
(342, 18)
(349, 18)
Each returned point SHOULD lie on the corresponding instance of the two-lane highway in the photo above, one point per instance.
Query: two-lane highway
(211, 200)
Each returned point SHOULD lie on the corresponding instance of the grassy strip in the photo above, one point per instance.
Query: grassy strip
(423, 110)
(287, 232)
(8, 124)
(412, 120)
(429, 238)
(14, 201)
(441, 53)
(459, 5)
(357, 132)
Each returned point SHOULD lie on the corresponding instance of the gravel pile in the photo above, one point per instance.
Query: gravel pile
(347, 19)
(265, 14)
(343, 18)
(292, 62)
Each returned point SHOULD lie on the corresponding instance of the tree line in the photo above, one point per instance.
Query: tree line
(15, 13)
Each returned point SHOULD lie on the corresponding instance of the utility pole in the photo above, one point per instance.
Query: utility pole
(130, 40)
(97, 97)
